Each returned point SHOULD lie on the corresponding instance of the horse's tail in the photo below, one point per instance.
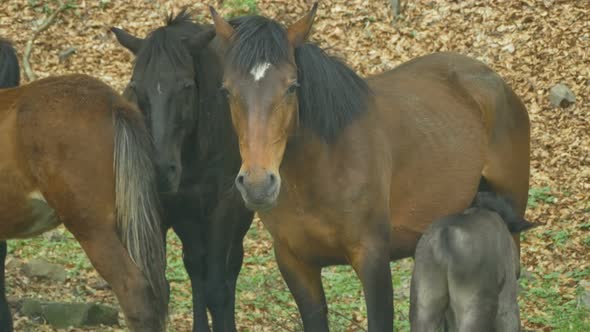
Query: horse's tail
(9, 67)
(504, 207)
(137, 204)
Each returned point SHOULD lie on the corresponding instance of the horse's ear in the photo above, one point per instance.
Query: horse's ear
(222, 28)
(128, 40)
(199, 41)
(298, 32)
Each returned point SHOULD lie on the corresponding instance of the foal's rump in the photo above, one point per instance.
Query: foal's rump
(466, 265)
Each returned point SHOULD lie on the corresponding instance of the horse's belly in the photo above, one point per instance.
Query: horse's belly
(24, 212)
(24, 216)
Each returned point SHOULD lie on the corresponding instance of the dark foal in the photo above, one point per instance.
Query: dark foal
(9, 78)
(176, 81)
(466, 267)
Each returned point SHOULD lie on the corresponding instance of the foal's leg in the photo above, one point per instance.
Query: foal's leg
(371, 263)
(429, 295)
(305, 283)
(5, 316)
(474, 298)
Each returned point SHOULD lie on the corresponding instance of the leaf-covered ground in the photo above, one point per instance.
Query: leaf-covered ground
(533, 44)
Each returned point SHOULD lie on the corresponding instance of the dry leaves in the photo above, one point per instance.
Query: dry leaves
(533, 44)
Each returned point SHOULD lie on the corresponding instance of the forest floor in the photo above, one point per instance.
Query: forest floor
(533, 44)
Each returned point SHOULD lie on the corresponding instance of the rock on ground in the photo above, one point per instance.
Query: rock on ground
(64, 315)
(42, 269)
(561, 96)
(584, 296)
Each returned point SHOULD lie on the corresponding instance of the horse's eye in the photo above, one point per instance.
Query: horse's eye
(224, 91)
(292, 88)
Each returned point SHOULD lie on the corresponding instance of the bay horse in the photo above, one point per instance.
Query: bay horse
(75, 152)
(9, 78)
(466, 268)
(175, 82)
(343, 170)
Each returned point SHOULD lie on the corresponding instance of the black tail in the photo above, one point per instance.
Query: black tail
(9, 67)
(504, 207)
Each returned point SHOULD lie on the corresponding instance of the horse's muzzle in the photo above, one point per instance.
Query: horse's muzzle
(259, 189)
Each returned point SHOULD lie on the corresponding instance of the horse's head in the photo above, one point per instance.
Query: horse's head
(260, 80)
(163, 86)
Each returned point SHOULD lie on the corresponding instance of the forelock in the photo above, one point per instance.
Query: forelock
(257, 43)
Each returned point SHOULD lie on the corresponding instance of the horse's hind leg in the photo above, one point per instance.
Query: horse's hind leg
(91, 219)
(5, 316)
(98, 237)
(507, 166)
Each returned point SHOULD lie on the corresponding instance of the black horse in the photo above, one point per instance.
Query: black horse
(9, 78)
(176, 82)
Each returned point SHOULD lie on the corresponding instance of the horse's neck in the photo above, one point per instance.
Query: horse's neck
(214, 129)
(302, 157)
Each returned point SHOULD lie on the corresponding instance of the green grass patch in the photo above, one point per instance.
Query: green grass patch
(558, 314)
(240, 7)
(538, 195)
(264, 300)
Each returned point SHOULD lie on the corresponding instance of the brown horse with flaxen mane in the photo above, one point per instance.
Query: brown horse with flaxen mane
(9, 78)
(75, 152)
(344, 170)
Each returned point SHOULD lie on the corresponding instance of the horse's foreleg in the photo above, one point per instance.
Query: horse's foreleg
(193, 255)
(5, 316)
(218, 291)
(235, 259)
(305, 283)
(371, 263)
(111, 260)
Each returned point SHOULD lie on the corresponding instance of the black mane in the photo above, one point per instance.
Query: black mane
(331, 95)
(9, 67)
(504, 207)
(168, 41)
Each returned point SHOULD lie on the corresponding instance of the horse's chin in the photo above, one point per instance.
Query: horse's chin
(260, 205)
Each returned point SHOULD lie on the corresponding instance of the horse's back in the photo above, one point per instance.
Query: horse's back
(438, 142)
(468, 90)
(450, 120)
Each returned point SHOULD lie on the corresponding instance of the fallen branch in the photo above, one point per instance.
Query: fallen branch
(29, 46)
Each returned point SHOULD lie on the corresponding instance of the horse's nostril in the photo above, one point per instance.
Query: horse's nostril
(240, 179)
(272, 178)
